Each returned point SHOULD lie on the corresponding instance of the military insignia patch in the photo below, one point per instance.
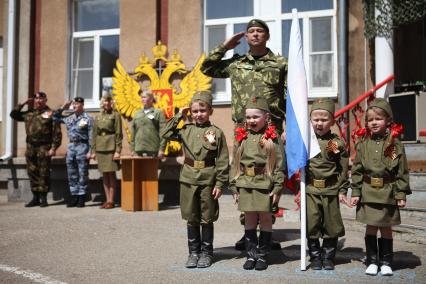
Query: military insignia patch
(332, 147)
(390, 152)
(210, 136)
(83, 123)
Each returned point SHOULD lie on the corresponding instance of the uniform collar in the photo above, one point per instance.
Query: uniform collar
(326, 136)
(204, 125)
(268, 56)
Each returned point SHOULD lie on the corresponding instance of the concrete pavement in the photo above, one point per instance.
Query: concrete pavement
(89, 245)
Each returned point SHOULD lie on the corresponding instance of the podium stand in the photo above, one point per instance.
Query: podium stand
(139, 183)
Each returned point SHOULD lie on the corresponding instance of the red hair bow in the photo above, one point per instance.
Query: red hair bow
(396, 129)
(270, 133)
(240, 134)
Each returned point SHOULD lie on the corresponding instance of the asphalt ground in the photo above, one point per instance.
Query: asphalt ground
(89, 245)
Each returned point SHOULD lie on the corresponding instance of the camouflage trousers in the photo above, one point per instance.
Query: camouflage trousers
(77, 168)
(38, 167)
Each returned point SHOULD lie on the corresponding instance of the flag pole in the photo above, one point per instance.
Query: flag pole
(302, 220)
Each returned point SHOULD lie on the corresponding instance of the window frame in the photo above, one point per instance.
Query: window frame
(1, 78)
(275, 43)
(93, 102)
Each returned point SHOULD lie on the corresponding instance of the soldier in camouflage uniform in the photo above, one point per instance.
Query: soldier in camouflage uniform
(80, 129)
(380, 184)
(43, 138)
(259, 72)
(326, 184)
(203, 175)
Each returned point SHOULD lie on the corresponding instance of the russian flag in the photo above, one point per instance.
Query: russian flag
(301, 142)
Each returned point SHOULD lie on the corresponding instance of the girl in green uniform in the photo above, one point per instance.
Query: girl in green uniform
(380, 183)
(107, 141)
(146, 127)
(258, 179)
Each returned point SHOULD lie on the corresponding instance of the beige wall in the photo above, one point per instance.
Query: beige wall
(185, 29)
(137, 31)
(3, 13)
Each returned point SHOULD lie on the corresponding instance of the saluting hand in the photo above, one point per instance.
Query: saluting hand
(66, 105)
(217, 192)
(29, 101)
(185, 112)
(232, 42)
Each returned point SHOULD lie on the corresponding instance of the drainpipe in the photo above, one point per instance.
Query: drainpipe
(343, 57)
(10, 80)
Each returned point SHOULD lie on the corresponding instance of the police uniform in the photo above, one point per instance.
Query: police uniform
(206, 167)
(145, 132)
(43, 134)
(264, 76)
(327, 177)
(380, 178)
(107, 140)
(254, 184)
(80, 129)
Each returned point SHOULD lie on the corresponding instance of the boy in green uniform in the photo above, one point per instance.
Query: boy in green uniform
(203, 175)
(326, 184)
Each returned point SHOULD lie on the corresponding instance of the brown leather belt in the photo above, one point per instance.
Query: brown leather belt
(378, 181)
(323, 183)
(199, 164)
(252, 171)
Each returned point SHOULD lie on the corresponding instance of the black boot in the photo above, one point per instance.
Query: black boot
(72, 202)
(251, 249)
(386, 256)
(81, 201)
(194, 245)
(241, 244)
(329, 247)
(35, 201)
(263, 251)
(315, 254)
(371, 251)
(43, 199)
(206, 257)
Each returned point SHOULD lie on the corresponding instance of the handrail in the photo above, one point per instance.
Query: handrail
(363, 96)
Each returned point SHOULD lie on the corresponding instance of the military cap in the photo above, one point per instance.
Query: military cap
(203, 96)
(324, 104)
(382, 104)
(106, 95)
(257, 23)
(258, 103)
(40, 94)
(79, 100)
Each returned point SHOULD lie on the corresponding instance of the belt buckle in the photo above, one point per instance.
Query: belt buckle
(376, 182)
(250, 172)
(103, 133)
(319, 183)
(199, 164)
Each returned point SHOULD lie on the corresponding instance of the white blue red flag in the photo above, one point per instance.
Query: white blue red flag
(301, 142)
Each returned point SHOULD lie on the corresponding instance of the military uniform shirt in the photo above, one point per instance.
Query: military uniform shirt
(107, 132)
(254, 155)
(264, 76)
(39, 126)
(370, 160)
(80, 128)
(145, 131)
(329, 165)
(196, 147)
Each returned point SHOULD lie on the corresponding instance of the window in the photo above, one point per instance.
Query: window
(95, 47)
(223, 18)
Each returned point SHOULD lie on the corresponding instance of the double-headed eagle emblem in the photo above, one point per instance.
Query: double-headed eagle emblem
(172, 85)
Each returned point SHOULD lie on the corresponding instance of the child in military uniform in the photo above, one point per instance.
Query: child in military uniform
(106, 146)
(146, 127)
(326, 184)
(380, 183)
(258, 179)
(203, 175)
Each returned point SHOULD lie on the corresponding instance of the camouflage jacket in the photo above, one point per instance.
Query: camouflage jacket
(39, 126)
(374, 158)
(265, 76)
(330, 165)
